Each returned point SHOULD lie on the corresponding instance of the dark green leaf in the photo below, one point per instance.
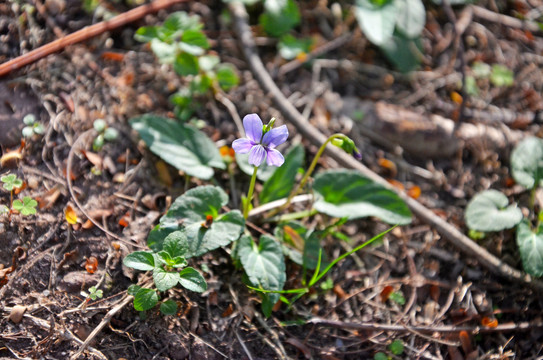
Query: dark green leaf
(165, 280)
(194, 42)
(186, 64)
(194, 205)
(146, 33)
(380, 356)
(527, 162)
(200, 84)
(405, 54)
(411, 17)
(176, 244)
(376, 21)
(264, 264)
(180, 145)
(280, 16)
(396, 347)
(145, 299)
(227, 77)
(180, 21)
(140, 260)
(133, 289)
(530, 245)
(192, 280)
(346, 193)
(168, 307)
(489, 211)
(282, 181)
(157, 236)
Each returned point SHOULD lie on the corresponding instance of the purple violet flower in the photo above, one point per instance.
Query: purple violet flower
(261, 146)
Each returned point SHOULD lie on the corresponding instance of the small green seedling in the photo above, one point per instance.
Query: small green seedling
(169, 269)
(26, 207)
(95, 293)
(10, 183)
(105, 133)
(32, 126)
(396, 348)
(180, 42)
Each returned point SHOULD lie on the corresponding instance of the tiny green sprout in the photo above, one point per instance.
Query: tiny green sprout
(32, 127)
(25, 207)
(380, 356)
(11, 181)
(99, 125)
(396, 347)
(105, 133)
(95, 293)
(327, 285)
(397, 297)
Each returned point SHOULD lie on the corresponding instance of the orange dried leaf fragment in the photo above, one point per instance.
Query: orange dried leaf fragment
(70, 215)
(91, 265)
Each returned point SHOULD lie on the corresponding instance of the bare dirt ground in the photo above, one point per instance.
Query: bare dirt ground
(450, 296)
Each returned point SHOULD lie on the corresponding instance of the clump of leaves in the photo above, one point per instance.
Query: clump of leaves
(395, 27)
(396, 348)
(169, 267)
(489, 210)
(32, 126)
(105, 133)
(27, 206)
(497, 74)
(180, 41)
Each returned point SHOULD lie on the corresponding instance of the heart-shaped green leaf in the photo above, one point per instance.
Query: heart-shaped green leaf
(527, 162)
(26, 207)
(194, 205)
(264, 263)
(192, 280)
(530, 245)
(140, 260)
(281, 182)
(176, 244)
(180, 145)
(346, 193)
(168, 307)
(411, 17)
(165, 280)
(145, 299)
(488, 211)
(376, 21)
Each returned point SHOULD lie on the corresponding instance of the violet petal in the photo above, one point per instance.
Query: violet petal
(242, 146)
(275, 136)
(275, 158)
(257, 155)
(253, 127)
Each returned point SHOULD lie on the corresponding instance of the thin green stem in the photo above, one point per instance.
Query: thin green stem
(308, 173)
(250, 194)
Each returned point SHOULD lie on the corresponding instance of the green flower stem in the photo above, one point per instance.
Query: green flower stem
(250, 194)
(307, 174)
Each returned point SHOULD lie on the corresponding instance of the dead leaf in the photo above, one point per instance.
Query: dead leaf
(94, 159)
(91, 265)
(164, 173)
(16, 314)
(70, 215)
(48, 200)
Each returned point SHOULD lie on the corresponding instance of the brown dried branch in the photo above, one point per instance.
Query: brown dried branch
(84, 34)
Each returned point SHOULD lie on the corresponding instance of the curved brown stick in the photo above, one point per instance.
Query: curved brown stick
(84, 34)
(448, 231)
